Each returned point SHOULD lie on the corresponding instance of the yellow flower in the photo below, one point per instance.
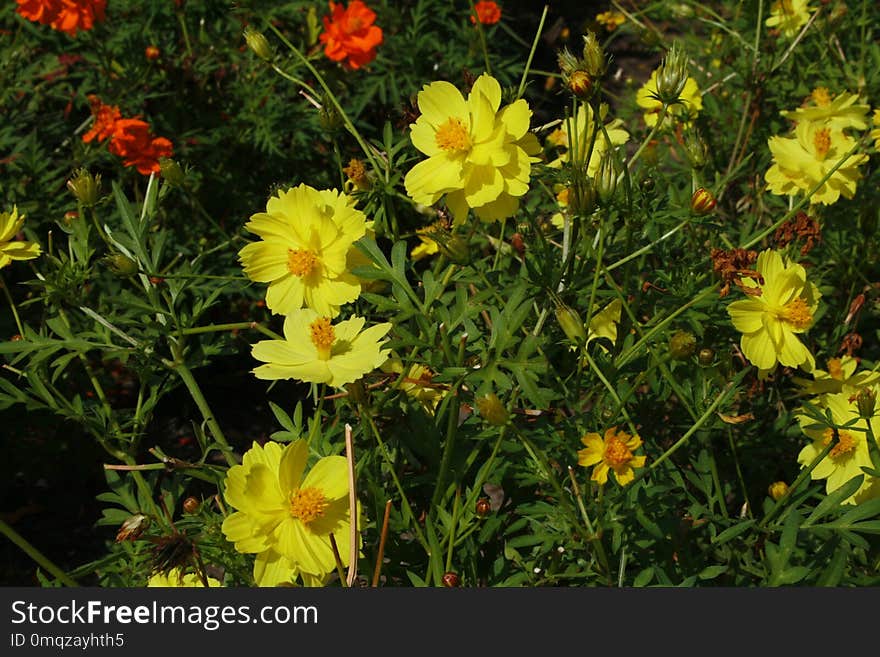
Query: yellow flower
(316, 351)
(10, 248)
(613, 452)
(176, 578)
(781, 308)
(478, 157)
(285, 515)
(789, 16)
(684, 111)
(801, 162)
(838, 113)
(610, 20)
(583, 127)
(426, 246)
(604, 323)
(850, 452)
(841, 376)
(307, 236)
(875, 133)
(418, 383)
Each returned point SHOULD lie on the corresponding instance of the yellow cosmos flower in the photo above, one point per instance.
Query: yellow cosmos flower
(316, 351)
(478, 157)
(307, 236)
(613, 452)
(789, 16)
(10, 248)
(837, 113)
(582, 126)
(850, 452)
(841, 376)
(875, 133)
(684, 111)
(285, 515)
(781, 308)
(176, 578)
(799, 163)
(418, 383)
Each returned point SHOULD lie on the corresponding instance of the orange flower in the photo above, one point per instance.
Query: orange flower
(106, 117)
(67, 16)
(488, 12)
(133, 141)
(152, 53)
(349, 34)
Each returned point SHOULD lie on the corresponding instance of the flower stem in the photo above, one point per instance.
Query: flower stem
(660, 118)
(522, 83)
(12, 307)
(35, 554)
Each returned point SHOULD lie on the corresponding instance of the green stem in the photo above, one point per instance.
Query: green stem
(451, 430)
(12, 307)
(797, 482)
(453, 529)
(36, 555)
(522, 83)
(483, 46)
(594, 538)
(660, 118)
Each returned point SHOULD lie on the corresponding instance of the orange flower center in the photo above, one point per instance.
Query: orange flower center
(616, 452)
(835, 369)
(307, 504)
(453, 136)
(821, 97)
(301, 262)
(822, 142)
(845, 442)
(322, 335)
(797, 313)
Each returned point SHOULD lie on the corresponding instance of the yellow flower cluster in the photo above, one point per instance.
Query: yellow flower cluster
(819, 157)
(10, 247)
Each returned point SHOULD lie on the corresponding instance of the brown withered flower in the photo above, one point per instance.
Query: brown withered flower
(734, 264)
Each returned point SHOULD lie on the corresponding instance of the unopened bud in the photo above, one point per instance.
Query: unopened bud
(258, 43)
(571, 323)
(581, 196)
(696, 149)
(606, 178)
(191, 505)
(865, 402)
(594, 57)
(703, 201)
(152, 53)
(706, 356)
(171, 172)
(121, 265)
(451, 580)
(492, 410)
(672, 76)
(777, 489)
(85, 187)
(580, 83)
(682, 345)
(483, 507)
(330, 120)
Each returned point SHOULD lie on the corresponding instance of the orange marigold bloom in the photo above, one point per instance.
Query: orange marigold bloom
(68, 16)
(488, 12)
(133, 141)
(349, 34)
(106, 117)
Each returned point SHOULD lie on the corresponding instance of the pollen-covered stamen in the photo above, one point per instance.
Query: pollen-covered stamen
(846, 443)
(616, 452)
(307, 504)
(821, 97)
(822, 142)
(322, 334)
(796, 313)
(302, 262)
(453, 136)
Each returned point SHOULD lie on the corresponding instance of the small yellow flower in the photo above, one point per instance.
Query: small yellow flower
(684, 111)
(285, 516)
(610, 20)
(307, 236)
(10, 248)
(837, 113)
(613, 452)
(771, 320)
(777, 489)
(800, 163)
(850, 452)
(418, 383)
(789, 16)
(176, 578)
(479, 157)
(316, 351)
(875, 133)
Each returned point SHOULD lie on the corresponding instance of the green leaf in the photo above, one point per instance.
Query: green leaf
(833, 499)
(732, 532)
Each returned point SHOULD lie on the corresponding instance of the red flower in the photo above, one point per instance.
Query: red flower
(488, 12)
(67, 16)
(349, 34)
(133, 141)
(106, 117)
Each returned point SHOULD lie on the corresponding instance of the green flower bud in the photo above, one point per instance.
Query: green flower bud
(865, 402)
(706, 356)
(696, 149)
(171, 172)
(606, 178)
(571, 323)
(672, 75)
(85, 187)
(682, 345)
(258, 43)
(492, 410)
(121, 265)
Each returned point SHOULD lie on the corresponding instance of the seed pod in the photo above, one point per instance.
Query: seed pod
(258, 43)
(706, 356)
(682, 345)
(865, 402)
(672, 75)
(191, 505)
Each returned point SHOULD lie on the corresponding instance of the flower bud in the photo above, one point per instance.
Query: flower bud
(703, 201)
(777, 489)
(191, 505)
(85, 187)
(580, 84)
(865, 402)
(672, 75)
(706, 356)
(606, 178)
(258, 43)
(682, 345)
(121, 265)
(171, 172)
(132, 527)
(571, 323)
(483, 507)
(492, 410)
(329, 119)
(696, 149)
(152, 53)
(451, 580)
(581, 196)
